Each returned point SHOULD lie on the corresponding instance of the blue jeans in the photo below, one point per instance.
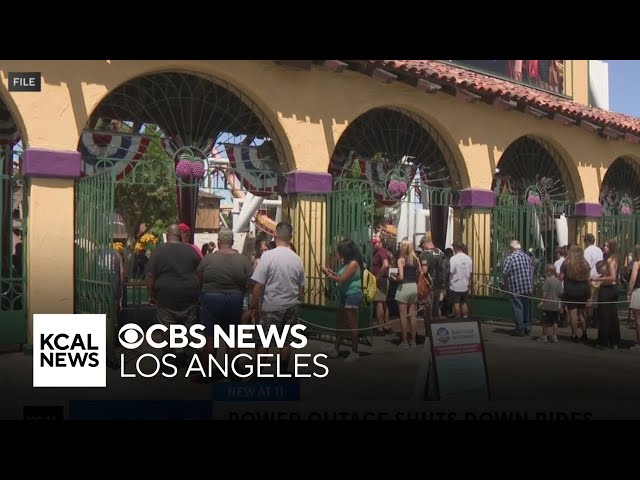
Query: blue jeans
(224, 309)
(521, 313)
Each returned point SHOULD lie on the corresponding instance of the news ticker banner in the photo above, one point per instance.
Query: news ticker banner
(306, 411)
(69, 350)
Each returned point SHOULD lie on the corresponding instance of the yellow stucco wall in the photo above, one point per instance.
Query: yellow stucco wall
(311, 109)
(578, 80)
(50, 247)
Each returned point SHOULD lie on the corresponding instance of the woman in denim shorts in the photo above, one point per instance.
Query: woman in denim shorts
(349, 280)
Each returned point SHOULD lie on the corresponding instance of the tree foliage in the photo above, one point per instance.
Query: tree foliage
(150, 198)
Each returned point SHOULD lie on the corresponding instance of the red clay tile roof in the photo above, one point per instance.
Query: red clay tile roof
(442, 73)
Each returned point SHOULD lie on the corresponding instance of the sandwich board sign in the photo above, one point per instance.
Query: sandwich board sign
(459, 362)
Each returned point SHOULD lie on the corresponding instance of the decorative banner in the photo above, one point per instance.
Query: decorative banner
(387, 191)
(255, 173)
(104, 150)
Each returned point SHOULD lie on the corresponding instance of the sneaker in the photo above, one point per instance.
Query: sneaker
(403, 346)
(635, 347)
(554, 339)
(352, 357)
(542, 339)
(332, 353)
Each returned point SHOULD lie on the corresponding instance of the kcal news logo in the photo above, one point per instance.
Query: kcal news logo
(69, 350)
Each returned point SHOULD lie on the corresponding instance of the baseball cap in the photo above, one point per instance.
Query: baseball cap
(184, 227)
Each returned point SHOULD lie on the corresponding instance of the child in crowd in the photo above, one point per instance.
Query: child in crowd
(550, 306)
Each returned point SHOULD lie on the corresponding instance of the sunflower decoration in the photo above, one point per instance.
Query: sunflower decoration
(140, 247)
(118, 246)
(149, 238)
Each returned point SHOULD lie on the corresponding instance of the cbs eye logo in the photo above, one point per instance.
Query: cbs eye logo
(131, 336)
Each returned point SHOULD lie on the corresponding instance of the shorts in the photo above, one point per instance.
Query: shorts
(576, 295)
(279, 319)
(383, 290)
(407, 293)
(351, 301)
(549, 318)
(457, 297)
(224, 309)
(635, 299)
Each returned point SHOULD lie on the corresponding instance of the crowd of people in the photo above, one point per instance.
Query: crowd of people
(583, 286)
(220, 286)
(217, 285)
(448, 275)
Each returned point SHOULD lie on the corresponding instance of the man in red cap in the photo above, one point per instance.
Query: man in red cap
(185, 233)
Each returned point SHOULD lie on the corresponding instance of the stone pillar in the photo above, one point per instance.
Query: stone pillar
(50, 244)
(307, 208)
(476, 206)
(587, 217)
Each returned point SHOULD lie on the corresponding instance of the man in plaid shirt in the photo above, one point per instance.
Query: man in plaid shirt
(518, 272)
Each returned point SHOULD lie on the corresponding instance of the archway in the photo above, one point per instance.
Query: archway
(535, 195)
(13, 214)
(166, 148)
(409, 167)
(620, 200)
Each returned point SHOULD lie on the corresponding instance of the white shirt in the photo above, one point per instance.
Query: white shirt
(461, 267)
(558, 263)
(593, 255)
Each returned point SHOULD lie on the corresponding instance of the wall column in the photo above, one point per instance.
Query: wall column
(307, 192)
(587, 217)
(476, 206)
(50, 231)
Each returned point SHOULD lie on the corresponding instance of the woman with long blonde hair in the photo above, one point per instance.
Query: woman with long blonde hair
(407, 293)
(576, 275)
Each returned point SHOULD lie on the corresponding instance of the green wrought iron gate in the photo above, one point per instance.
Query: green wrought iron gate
(93, 251)
(625, 229)
(320, 222)
(13, 265)
(534, 226)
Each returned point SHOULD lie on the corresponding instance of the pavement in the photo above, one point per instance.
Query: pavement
(523, 376)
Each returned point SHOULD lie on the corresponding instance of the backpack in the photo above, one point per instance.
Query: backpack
(369, 286)
(438, 276)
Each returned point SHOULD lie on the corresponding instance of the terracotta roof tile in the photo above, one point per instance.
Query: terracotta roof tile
(440, 72)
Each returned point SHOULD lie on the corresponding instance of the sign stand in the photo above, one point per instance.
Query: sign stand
(458, 365)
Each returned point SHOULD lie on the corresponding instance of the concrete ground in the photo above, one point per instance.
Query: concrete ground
(523, 374)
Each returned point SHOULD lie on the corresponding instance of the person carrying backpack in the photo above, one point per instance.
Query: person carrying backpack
(432, 260)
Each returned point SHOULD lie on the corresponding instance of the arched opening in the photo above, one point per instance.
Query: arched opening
(620, 200)
(13, 214)
(169, 147)
(410, 169)
(530, 169)
(535, 196)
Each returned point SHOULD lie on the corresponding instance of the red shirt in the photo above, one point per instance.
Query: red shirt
(379, 256)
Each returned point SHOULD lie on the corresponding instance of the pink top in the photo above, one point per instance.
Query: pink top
(197, 250)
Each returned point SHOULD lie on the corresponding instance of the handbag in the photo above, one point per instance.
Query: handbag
(424, 287)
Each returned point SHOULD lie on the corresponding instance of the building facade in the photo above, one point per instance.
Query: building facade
(493, 145)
